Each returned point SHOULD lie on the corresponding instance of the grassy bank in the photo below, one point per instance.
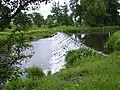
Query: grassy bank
(85, 70)
(93, 73)
(37, 33)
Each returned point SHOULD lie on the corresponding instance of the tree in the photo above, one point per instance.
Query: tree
(60, 14)
(4, 13)
(11, 55)
(112, 17)
(16, 6)
(93, 12)
(64, 17)
(73, 7)
(50, 21)
(22, 19)
(12, 47)
(100, 12)
(56, 12)
(38, 19)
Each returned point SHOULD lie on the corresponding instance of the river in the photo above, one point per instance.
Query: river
(43, 53)
(50, 53)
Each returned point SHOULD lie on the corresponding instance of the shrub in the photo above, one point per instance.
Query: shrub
(15, 85)
(113, 44)
(34, 72)
(117, 45)
(22, 84)
(75, 56)
(49, 72)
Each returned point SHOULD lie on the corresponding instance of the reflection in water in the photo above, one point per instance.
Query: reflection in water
(95, 41)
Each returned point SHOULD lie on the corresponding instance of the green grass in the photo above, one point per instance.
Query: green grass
(37, 33)
(95, 73)
(90, 30)
(85, 70)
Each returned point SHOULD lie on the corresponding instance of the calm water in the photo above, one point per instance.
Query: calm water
(43, 53)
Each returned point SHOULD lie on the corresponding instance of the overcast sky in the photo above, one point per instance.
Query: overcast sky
(45, 9)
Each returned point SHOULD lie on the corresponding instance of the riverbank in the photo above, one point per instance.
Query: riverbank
(84, 71)
(39, 33)
(93, 73)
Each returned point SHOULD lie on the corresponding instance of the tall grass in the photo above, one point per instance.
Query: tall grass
(85, 69)
(97, 73)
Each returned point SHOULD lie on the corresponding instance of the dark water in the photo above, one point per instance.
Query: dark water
(95, 41)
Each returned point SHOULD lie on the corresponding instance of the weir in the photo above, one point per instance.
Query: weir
(50, 53)
(61, 44)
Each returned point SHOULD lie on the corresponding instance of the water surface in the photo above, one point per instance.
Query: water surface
(43, 53)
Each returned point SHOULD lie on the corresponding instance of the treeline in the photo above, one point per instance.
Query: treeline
(58, 17)
(77, 13)
(89, 13)
(24, 19)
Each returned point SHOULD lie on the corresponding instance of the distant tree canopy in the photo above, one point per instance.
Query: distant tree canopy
(83, 12)
(87, 12)
(22, 19)
(38, 19)
(15, 7)
(50, 21)
(98, 12)
(60, 14)
(73, 8)
(4, 13)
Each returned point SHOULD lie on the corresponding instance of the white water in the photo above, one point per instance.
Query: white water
(43, 53)
(50, 53)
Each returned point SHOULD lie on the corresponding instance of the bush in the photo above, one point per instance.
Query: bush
(15, 85)
(34, 75)
(49, 72)
(34, 72)
(76, 56)
(117, 45)
(113, 44)
(22, 84)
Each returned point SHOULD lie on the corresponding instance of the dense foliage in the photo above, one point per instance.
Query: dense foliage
(14, 7)
(34, 72)
(11, 55)
(33, 75)
(113, 44)
(4, 13)
(12, 46)
(37, 19)
(75, 57)
(22, 20)
(100, 12)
